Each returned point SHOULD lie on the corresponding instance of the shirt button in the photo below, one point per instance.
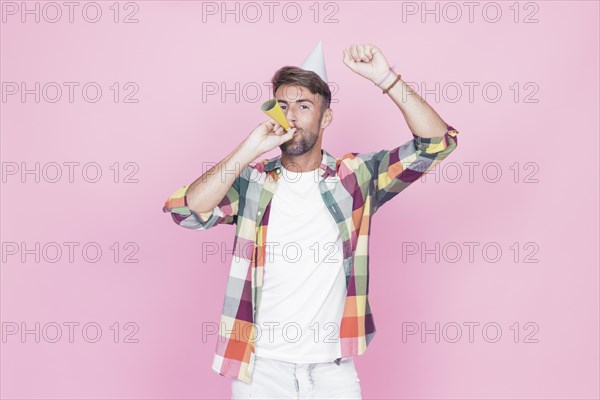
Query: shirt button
(260, 212)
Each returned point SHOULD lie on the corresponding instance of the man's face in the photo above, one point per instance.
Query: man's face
(303, 111)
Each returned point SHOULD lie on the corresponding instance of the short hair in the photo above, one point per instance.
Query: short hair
(289, 75)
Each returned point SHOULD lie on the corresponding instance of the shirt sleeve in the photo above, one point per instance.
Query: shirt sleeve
(394, 170)
(226, 212)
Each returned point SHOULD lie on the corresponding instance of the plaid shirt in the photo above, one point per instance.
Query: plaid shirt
(353, 188)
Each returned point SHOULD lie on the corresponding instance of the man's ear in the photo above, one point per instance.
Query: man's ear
(327, 118)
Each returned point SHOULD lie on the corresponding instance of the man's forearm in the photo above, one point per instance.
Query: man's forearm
(421, 118)
(209, 189)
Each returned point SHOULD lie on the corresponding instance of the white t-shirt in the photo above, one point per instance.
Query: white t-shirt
(304, 285)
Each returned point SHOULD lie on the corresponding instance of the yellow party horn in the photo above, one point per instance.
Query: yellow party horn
(273, 110)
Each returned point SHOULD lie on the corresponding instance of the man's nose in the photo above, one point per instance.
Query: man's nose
(290, 117)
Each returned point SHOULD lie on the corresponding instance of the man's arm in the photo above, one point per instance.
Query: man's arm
(392, 171)
(421, 118)
(213, 198)
(369, 62)
(206, 192)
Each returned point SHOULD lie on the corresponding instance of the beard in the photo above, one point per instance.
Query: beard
(301, 143)
(303, 140)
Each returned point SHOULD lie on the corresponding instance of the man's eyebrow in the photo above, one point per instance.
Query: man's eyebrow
(297, 101)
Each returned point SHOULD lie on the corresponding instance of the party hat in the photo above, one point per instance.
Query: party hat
(316, 62)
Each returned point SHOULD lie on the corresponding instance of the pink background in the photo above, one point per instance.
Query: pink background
(171, 132)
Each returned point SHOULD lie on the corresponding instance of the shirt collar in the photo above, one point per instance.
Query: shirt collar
(326, 169)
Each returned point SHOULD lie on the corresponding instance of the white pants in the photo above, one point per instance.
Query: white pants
(274, 379)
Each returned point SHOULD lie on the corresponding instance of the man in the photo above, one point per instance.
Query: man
(296, 309)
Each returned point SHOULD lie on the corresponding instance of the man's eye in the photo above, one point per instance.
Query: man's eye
(303, 105)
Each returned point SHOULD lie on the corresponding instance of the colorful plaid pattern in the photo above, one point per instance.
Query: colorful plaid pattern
(353, 187)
